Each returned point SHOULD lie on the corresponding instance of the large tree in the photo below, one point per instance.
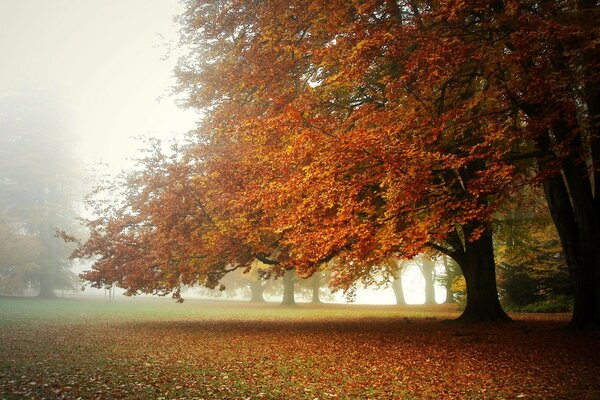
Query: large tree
(40, 185)
(350, 129)
(403, 125)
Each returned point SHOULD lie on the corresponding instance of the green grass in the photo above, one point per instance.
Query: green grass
(156, 349)
(88, 310)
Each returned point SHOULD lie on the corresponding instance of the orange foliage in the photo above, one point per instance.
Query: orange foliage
(344, 129)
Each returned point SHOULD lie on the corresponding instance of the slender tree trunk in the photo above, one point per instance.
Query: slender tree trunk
(288, 288)
(479, 269)
(257, 289)
(449, 291)
(427, 267)
(315, 286)
(398, 290)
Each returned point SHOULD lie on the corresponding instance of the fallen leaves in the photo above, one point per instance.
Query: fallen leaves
(234, 351)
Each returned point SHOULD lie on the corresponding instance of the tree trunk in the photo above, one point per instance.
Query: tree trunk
(398, 290)
(288, 288)
(315, 286)
(47, 285)
(427, 267)
(479, 269)
(573, 209)
(257, 289)
(581, 251)
(449, 292)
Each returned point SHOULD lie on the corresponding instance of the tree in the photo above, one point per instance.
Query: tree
(394, 268)
(535, 67)
(39, 194)
(390, 158)
(361, 130)
(427, 267)
(252, 283)
(561, 106)
(18, 255)
(288, 281)
(257, 282)
(315, 287)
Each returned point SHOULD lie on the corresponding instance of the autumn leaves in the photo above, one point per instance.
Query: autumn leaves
(354, 131)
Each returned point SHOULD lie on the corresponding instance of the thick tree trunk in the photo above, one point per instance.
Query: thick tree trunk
(315, 286)
(592, 101)
(573, 209)
(581, 247)
(398, 290)
(257, 289)
(427, 267)
(288, 288)
(479, 269)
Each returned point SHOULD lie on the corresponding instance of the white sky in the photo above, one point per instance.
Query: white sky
(104, 60)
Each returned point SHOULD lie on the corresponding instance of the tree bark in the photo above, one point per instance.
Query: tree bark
(398, 290)
(580, 246)
(574, 212)
(449, 292)
(288, 288)
(427, 267)
(315, 286)
(257, 289)
(479, 269)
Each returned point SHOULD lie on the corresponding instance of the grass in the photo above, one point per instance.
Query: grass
(157, 349)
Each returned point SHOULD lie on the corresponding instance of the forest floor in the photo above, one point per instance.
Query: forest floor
(157, 349)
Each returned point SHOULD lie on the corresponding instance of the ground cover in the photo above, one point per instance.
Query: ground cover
(156, 349)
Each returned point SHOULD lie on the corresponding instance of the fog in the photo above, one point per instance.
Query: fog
(109, 63)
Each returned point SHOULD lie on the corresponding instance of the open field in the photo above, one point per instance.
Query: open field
(156, 349)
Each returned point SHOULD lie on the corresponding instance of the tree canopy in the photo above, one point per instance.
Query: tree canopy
(360, 130)
(40, 178)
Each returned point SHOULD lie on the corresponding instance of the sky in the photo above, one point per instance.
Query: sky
(108, 63)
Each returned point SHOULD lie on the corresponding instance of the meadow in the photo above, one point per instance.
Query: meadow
(157, 349)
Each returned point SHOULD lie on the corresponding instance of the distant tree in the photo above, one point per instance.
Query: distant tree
(257, 282)
(252, 282)
(40, 186)
(19, 255)
(316, 287)
(394, 268)
(448, 277)
(426, 265)
(289, 283)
